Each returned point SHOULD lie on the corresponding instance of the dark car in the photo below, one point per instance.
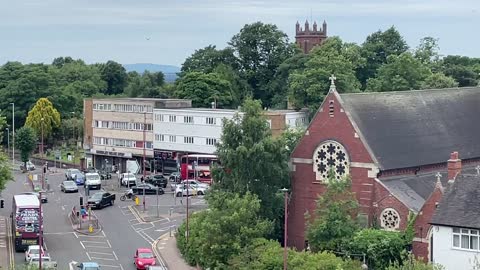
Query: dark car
(157, 180)
(149, 189)
(101, 199)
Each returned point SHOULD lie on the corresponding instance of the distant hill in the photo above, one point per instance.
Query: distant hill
(169, 71)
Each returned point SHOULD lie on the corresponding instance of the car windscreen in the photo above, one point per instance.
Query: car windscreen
(76, 172)
(69, 184)
(92, 177)
(97, 196)
(145, 255)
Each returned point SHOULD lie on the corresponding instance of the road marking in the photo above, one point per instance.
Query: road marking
(88, 256)
(101, 253)
(105, 259)
(108, 242)
(58, 233)
(82, 244)
(113, 266)
(96, 246)
(96, 242)
(114, 254)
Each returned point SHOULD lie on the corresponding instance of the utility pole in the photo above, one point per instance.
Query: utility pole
(285, 191)
(8, 141)
(40, 241)
(187, 185)
(13, 134)
(144, 154)
(43, 170)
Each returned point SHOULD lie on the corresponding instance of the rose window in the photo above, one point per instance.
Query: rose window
(330, 155)
(390, 219)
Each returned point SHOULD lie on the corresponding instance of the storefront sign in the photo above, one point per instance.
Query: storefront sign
(111, 153)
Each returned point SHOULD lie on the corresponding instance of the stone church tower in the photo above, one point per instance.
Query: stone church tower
(308, 38)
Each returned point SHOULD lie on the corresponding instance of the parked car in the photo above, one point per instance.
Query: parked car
(157, 180)
(68, 186)
(47, 262)
(29, 166)
(101, 199)
(92, 181)
(75, 175)
(144, 257)
(42, 196)
(88, 266)
(149, 189)
(128, 179)
(181, 190)
(33, 251)
(191, 182)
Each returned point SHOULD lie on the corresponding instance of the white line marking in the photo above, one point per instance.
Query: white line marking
(96, 242)
(76, 235)
(108, 242)
(104, 234)
(114, 254)
(92, 236)
(106, 259)
(58, 233)
(88, 256)
(114, 266)
(121, 267)
(95, 247)
(82, 244)
(101, 253)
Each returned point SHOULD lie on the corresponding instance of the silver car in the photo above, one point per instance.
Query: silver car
(68, 186)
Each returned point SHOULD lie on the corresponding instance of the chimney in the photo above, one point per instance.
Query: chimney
(454, 166)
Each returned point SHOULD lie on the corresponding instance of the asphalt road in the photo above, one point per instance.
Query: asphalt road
(123, 230)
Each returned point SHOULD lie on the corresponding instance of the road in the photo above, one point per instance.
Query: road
(123, 230)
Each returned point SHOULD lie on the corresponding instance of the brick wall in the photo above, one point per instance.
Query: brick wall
(277, 123)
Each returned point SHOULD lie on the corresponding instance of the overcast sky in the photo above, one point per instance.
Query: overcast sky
(166, 32)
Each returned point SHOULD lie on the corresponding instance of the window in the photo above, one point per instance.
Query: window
(172, 118)
(211, 121)
(211, 141)
(159, 137)
(188, 140)
(188, 119)
(149, 145)
(172, 138)
(330, 155)
(389, 219)
(159, 118)
(465, 238)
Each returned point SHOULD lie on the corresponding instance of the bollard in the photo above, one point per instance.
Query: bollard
(137, 201)
(90, 228)
(170, 212)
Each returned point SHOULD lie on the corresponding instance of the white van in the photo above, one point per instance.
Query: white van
(92, 180)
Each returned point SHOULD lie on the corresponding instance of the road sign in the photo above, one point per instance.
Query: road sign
(133, 166)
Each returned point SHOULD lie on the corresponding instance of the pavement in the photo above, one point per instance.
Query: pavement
(125, 226)
(5, 244)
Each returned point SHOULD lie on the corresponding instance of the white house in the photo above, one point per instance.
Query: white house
(456, 225)
(197, 130)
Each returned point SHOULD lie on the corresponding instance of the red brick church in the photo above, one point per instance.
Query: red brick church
(399, 148)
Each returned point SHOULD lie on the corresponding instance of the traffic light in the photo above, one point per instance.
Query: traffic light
(45, 169)
(2, 203)
(81, 201)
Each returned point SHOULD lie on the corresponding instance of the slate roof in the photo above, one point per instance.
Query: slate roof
(414, 190)
(412, 128)
(459, 206)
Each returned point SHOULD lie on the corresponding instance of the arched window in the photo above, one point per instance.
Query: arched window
(330, 155)
(390, 219)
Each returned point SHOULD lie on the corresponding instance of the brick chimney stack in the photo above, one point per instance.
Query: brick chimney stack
(454, 166)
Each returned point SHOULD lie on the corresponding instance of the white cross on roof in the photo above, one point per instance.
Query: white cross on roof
(332, 79)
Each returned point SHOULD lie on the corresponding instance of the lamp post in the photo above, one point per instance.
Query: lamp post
(285, 191)
(43, 170)
(40, 240)
(8, 141)
(13, 134)
(144, 153)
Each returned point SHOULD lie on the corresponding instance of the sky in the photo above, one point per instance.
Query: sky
(166, 32)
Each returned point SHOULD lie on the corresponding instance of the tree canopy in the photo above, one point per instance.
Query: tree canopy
(43, 118)
(26, 141)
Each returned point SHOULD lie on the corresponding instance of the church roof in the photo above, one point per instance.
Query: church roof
(413, 128)
(459, 206)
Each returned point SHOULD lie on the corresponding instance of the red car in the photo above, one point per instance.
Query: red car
(143, 258)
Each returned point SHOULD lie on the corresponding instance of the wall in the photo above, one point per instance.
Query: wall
(87, 123)
(444, 254)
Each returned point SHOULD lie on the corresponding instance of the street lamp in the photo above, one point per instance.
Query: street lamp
(8, 141)
(42, 135)
(144, 154)
(40, 240)
(43, 170)
(285, 191)
(13, 134)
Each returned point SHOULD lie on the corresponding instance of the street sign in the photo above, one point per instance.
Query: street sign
(133, 166)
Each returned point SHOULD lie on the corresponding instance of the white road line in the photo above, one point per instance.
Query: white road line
(96, 246)
(91, 236)
(88, 256)
(96, 242)
(101, 253)
(113, 266)
(82, 244)
(114, 254)
(121, 266)
(105, 259)
(58, 233)
(76, 235)
(108, 242)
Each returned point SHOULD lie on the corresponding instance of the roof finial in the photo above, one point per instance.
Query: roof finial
(438, 184)
(332, 82)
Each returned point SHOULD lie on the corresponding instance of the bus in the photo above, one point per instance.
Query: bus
(202, 170)
(25, 221)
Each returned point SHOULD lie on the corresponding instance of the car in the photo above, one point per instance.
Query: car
(181, 190)
(191, 182)
(92, 181)
(32, 251)
(75, 175)
(68, 186)
(149, 189)
(29, 166)
(88, 266)
(47, 262)
(101, 199)
(155, 267)
(174, 177)
(128, 179)
(42, 196)
(144, 257)
(157, 180)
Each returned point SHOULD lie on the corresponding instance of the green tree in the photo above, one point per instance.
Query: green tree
(5, 171)
(376, 49)
(26, 141)
(3, 125)
(308, 88)
(260, 49)
(115, 76)
(43, 118)
(291, 137)
(427, 52)
(215, 235)
(334, 223)
(411, 263)
(463, 69)
(203, 89)
(402, 72)
(207, 59)
(438, 81)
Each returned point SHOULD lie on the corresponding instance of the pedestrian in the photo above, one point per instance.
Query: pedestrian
(83, 212)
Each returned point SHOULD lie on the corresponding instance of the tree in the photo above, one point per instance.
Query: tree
(308, 88)
(291, 137)
(5, 171)
(43, 117)
(26, 141)
(377, 48)
(438, 81)
(215, 235)
(115, 76)
(427, 51)
(148, 85)
(203, 89)
(402, 72)
(207, 59)
(411, 263)
(463, 69)
(334, 223)
(260, 49)
(3, 125)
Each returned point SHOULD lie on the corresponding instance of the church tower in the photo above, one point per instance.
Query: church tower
(307, 38)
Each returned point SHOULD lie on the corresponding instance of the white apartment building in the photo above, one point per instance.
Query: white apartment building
(197, 130)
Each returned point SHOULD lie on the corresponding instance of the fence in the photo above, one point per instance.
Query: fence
(84, 222)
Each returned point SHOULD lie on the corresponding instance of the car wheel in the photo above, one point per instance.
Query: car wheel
(179, 194)
(112, 202)
(200, 193)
